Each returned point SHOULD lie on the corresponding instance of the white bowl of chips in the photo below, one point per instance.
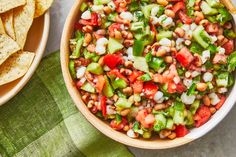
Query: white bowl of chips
(24, 29)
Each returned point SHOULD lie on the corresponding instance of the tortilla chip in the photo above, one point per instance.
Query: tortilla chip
(2, 30)
(6, 5)
(7, 47)
(7, 19)
(23, 19)
(15, 66)
(42, 6)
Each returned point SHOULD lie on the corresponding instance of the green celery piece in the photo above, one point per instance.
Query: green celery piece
(231, 80)
(72, 69)
(213, 49)
(83, 7)
(189, 119)
(229, 34)
(123, 103)
(214, 3)
(88, 87)
(95, 68)
(118, 118)
(212, 19)
(107, 89)
(224, 16)
(164, 34)
(207, 10)
(231, 61)
(138, 48)
(136, 128)
(169, 123)
(147, 134)
(198, 35)
(145, 77)
(196, 48)
(100, 2)
(137, 26)
(76, 53)
(141, 64)
(114, 45)
(111, 17)
(156, 63)
(118, 83)
(191, 89)
(222, 79)
(179, 106)
(178, 117)
(133, 6)
(137, 98)
(148, 57)
(147, 9)
(160, 122)
(194, 106)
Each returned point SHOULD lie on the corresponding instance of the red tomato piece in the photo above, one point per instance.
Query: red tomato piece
(180, 88)
(94, 21)
(112, 60)
(185, 18)
(114, 26)
(117, 74)
(118, 126)
(203, 114)
(184, 56)
(171, 87)
(150, 89)
(212, 28)
(134, 75)
(181, 131)
(100, 83)
(222, 101)
(103, 105)
(229, 47)
(178, 6)
(78, 26)
(137, 86)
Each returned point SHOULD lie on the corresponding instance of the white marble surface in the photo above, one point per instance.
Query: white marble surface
(220, 142)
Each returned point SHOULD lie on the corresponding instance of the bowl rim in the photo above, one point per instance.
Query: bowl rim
(24, 80)
(102, 126)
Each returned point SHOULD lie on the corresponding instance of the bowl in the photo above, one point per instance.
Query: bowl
(36, 42)
(102, 126)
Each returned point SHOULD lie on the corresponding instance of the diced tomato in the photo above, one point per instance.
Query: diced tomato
(180, 88)
(134, 75)
(220, 58)
(229, 47)
(78, 26)
(150, 89)
(79, 84)
(147, 120)
(94, 21)
(203, 114)
(178, 6)
(212, 28)
(184, 56)
(171, 87)
(100, 83)
(118, 126)
(117, 74)
(181, 131)
(103, 105)
(222, 101)
(114, 26)
(112, 60)
(185, 18)
(137, 86)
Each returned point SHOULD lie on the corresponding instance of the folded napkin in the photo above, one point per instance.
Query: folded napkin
(42, 121)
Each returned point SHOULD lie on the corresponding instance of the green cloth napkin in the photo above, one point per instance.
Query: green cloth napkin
(42, 121)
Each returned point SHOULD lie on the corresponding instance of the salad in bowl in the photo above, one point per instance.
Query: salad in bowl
(153, 68)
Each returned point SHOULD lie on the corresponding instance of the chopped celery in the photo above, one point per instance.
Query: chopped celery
(72, 69)
(137, 98)
(107, 89)
(169, 123)
(222, 79)
(76, 52)
(194, 106)
(100, 2)
(147, 134)
(213, 49)
(145, 77)
(178, 117)
(136, 128)
(133, 6)
(111, 17)
(140, 64)
(93, 56)
(137, 26)
(88, 87)
(118, 118)
(207, 10)
(147, 9)
(156, 63)
(138, 48)
(119, 83)
(229, 34)
(123, 103)
(189, 119)
(224, 16)
(83, 7)
(200, 35)
(95, 68)
(160, 122)
(231, 80)
(164, 34)
(114, 45)
(196, 48)
(191, 89)
(231, 60)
